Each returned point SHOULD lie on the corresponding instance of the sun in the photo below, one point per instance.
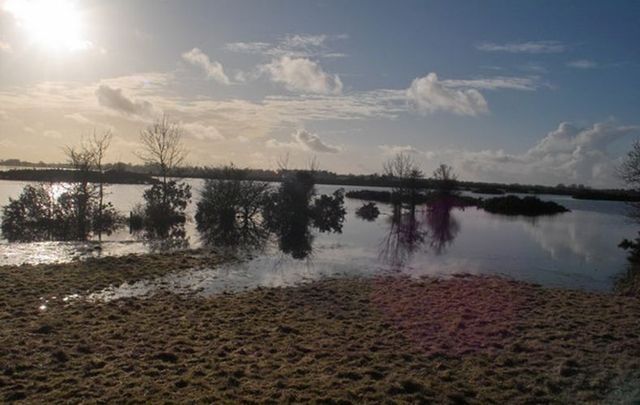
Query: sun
(53, 24)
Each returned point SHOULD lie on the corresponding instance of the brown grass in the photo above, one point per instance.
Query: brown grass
(474, 339)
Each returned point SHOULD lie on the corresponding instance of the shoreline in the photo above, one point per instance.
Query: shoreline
(471, 339)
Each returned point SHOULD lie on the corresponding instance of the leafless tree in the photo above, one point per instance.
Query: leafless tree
(98, 144)
(445, 178)
(629, 171)
(314, 164)
(82, 160)
(162, 146)
(405, 173)
(283, 163)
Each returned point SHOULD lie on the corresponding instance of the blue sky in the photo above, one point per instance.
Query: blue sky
(536, 92)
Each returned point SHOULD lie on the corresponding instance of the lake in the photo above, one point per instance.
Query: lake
(577, 249)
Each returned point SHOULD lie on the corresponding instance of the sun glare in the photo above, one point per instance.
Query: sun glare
(53, 24)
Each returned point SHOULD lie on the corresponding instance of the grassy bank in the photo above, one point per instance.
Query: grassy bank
(473, 339)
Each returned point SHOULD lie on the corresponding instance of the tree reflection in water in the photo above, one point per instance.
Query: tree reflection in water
(436, 229)
(242, 215)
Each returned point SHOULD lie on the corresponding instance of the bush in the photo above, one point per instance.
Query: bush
(36, 216)
(163, 213)
(368, 211)
(528, 206)
(229, 212)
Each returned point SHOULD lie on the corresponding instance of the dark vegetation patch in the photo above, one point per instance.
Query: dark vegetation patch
(527, 206)
(462, 340)
(368, 211)
(507, 205)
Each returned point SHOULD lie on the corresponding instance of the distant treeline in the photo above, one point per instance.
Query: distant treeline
(69, 176)
(370, 180)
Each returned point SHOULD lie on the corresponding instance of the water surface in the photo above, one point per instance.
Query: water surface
(576, 249)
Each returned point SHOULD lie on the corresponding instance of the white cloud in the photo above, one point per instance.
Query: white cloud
(566, 154)
(213, 69)
(582, 64)
(396, 149)
(495, 83)
(535, 47)
(313, 143)
(114, 99)
(296, 45)
(430, 95)
(304, 140)
(303, 75)
(202, 132)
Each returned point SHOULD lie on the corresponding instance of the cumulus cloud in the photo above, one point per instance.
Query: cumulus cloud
(304, 140)
(202, 132)
(313, 143)
(114, 99)
(568, 153)
(302, 75)
(582, 64)
(535, 47)
(213, 69)
(429, 94)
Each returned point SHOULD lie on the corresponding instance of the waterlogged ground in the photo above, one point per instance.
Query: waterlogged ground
(456, 340)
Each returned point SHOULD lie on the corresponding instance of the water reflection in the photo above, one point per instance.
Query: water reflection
(435, 231)
(576, 250)
(443, 226)
(243, 215)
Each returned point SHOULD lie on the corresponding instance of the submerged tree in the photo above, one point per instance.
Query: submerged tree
(99, 144)
(30, 217)
(445, 179)
(291, 212)
(163, 213)
(230, 211)
(78, 210)
(406, 176)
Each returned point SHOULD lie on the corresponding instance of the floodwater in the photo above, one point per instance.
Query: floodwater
(577, 249)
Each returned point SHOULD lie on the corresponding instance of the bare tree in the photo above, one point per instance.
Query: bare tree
(98, 144)
(445, 178)
(314, 164)
(405, 173)
(82, 160)
(162, 146)
(629, 170)
(283, 163)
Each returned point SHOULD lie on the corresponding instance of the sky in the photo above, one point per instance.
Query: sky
(542, 92)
